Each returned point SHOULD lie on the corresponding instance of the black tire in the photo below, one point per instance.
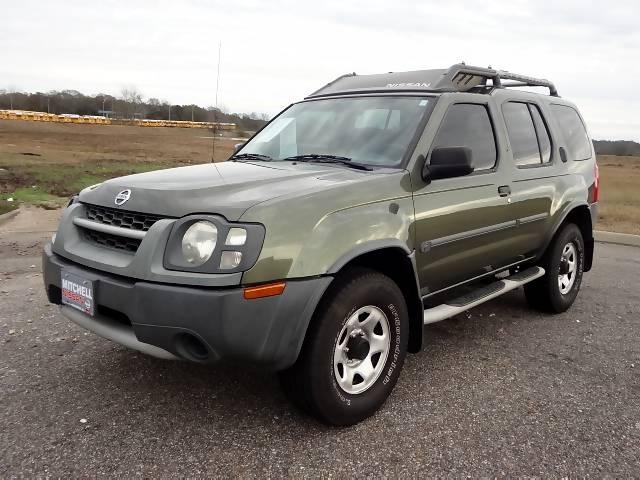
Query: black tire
(544, 293)
(311, 382)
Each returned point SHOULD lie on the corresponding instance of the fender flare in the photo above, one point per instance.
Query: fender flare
(410, 287)
(561, 220)
(367, 247)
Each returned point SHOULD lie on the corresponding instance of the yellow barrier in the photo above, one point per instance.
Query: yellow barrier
(95, 120)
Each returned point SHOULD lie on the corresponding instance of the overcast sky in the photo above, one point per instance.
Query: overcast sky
(275, 52)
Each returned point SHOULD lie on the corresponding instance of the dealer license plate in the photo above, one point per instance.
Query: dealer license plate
(77, 292)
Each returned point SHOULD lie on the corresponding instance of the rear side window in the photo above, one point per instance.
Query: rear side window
(468, 125)
(528, 134)
(573, 131)
(544, 142)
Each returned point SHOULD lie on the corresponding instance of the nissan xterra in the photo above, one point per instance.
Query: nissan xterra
(378, 204)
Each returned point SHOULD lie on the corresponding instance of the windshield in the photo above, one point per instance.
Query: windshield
(368, 130)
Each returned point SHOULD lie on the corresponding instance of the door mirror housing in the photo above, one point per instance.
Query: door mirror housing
(448, 162)
(237, 147)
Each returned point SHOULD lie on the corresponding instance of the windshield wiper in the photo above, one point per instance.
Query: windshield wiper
(251, 156)
(321, 158)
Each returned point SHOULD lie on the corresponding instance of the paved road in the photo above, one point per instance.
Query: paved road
(500, 391)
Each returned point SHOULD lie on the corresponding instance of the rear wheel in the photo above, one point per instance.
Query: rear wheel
(564, 265)
(354, 349)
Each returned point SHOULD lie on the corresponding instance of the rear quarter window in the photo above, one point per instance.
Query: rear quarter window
(573, 131)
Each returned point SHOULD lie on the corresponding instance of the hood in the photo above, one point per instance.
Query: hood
(227, 188)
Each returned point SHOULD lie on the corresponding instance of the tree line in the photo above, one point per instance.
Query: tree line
(617, 147)
(129, 104)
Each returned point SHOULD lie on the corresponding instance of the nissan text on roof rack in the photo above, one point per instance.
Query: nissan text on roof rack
(376, 205)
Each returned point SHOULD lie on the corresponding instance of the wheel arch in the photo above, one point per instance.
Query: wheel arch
(580, 215)
(398, 263)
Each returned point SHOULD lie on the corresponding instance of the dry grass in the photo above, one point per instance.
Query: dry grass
(70, 143)
(619, 194)
(44, 162)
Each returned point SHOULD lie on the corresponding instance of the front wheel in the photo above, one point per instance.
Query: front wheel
(564, 265)
(354, 349)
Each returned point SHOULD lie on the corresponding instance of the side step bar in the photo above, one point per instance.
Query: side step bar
(481, 295)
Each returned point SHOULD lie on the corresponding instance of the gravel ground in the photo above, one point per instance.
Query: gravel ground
(501, 391)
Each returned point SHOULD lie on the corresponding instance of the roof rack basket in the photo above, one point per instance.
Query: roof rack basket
(461, 77)
(457, 78)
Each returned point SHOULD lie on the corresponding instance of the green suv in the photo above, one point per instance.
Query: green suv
(378, 204)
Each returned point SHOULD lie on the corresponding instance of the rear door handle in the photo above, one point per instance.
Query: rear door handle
(504, 190)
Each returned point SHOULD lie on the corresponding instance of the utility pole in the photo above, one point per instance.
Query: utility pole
(218, 77)
(169, 112)
(192, 112)
(215, 111)
(48, 105)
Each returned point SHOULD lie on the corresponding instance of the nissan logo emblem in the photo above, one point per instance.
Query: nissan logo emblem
(122, 197)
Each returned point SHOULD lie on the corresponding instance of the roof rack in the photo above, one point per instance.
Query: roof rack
(525, 81)
(346, 75)
(457, 78)
(462, 76)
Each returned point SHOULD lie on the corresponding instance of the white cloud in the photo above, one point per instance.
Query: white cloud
(274, 53)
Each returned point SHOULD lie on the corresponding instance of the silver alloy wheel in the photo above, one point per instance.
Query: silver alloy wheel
(361, 349)
(568, 268)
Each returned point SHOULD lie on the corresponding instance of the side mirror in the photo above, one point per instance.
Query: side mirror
(237, 147)
(448, 162)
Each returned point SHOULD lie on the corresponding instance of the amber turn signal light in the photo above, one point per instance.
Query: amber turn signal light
(269, 290)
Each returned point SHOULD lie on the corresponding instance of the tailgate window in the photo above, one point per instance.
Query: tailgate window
(573, 131)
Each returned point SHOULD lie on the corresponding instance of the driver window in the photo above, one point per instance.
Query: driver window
(468, 125)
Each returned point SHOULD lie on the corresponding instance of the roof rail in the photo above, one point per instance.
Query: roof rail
(525, 81)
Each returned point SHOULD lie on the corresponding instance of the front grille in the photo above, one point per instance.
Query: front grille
(112, 241)
(121, 218)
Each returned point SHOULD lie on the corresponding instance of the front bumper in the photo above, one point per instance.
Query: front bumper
(195, 323)
(594, 210)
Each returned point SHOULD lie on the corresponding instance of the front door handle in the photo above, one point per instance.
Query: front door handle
(504, 190)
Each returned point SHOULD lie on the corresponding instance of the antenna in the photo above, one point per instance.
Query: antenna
(218, 77)
(215, 110)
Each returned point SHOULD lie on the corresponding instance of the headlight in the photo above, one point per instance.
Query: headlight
(199, 242)
(72, 200)
(210, 244)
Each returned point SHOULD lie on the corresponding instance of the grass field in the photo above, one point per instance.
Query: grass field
(45, 163)
(620, 194)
